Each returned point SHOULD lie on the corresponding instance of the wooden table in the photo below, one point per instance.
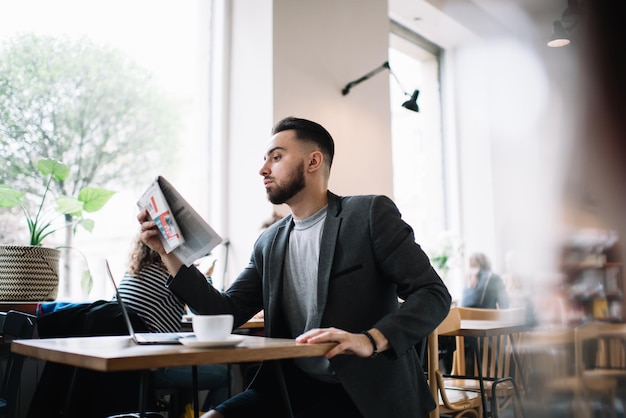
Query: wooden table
(119, 353)
(540, 338)
(472, 329)
(486, 328)
(254, 323)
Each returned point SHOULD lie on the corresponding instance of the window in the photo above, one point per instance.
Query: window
(168, 38)
(417, 142)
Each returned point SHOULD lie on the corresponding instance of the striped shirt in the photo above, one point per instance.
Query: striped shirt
(146, 294)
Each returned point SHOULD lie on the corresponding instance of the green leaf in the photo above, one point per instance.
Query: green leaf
(58, 170)
(88, 224)
(440, 261)
(94, 198)
(69, 205)
(86, 282)
(9, 197)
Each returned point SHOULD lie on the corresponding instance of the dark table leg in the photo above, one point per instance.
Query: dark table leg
(144, 385)
(473, 343)
(194, 388)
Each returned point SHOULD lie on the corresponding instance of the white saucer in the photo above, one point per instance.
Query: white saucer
(192, 341)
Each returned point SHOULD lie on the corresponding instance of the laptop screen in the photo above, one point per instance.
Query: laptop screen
(120, 302)
(141, 337)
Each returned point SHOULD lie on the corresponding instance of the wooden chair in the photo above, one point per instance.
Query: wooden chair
(513, 314)
(600, 356)
(15, 325)
(552, 380)
(501, 376)
(457, 403)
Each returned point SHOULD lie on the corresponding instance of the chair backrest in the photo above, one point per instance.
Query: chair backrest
(547, 354)
(17, 325)
(495, 351)
(451, 323)
(463, 402)
(512, 314)
(600, 346)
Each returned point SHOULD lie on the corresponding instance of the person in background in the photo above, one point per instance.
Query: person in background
(143, 290)
(331, 271)
(483, 288)
(517, 286)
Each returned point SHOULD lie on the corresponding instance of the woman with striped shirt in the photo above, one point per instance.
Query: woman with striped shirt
(143, 290)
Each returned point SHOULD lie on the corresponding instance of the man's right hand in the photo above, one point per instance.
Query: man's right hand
(150, 235)
(149, 232)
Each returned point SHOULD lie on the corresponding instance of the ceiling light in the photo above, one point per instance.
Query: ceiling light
(562, 29)
(559, 35)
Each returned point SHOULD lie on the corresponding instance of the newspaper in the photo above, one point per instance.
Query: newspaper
(183, 230)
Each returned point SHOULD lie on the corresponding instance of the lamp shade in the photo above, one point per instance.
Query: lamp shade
(411, 104)
(559, 35)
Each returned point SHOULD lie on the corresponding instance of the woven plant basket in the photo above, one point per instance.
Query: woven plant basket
(28, 273)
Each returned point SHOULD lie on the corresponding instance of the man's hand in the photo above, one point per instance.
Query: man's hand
(150, 235)
(149, 232)
(348, 343)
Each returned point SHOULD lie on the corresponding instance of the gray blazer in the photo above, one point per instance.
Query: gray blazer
(368, 258)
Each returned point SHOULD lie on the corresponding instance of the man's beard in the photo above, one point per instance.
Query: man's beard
(282, 194)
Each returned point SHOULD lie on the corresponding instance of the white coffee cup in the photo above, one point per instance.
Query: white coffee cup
(212, 327)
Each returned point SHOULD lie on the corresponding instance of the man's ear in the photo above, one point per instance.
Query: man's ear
(316, 160)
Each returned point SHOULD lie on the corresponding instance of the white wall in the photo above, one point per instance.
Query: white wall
(319, 47)
(513, 104)
(509, 103)
(293, 58)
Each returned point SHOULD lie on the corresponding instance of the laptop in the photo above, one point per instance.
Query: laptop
(143, 337)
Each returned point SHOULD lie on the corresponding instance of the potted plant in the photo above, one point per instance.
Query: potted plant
(448, 255)
(31, 272)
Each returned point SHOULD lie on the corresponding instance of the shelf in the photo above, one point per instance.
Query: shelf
(593, 278)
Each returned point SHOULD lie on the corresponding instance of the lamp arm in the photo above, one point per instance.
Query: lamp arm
(367, 76)
(399, 84)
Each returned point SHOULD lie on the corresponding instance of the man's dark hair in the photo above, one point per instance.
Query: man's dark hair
(310, 131)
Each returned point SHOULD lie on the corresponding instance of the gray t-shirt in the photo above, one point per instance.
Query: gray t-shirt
(300, 289)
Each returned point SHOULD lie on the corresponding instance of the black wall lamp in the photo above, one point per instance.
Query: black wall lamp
(562, 29)
(410, 104)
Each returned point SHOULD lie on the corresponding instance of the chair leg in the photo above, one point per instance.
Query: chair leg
(517, 406)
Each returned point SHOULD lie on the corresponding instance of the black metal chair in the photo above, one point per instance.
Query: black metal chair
(13, 325)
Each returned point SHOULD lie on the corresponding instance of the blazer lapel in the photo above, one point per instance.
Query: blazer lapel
(274, 272)
(327, 250)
